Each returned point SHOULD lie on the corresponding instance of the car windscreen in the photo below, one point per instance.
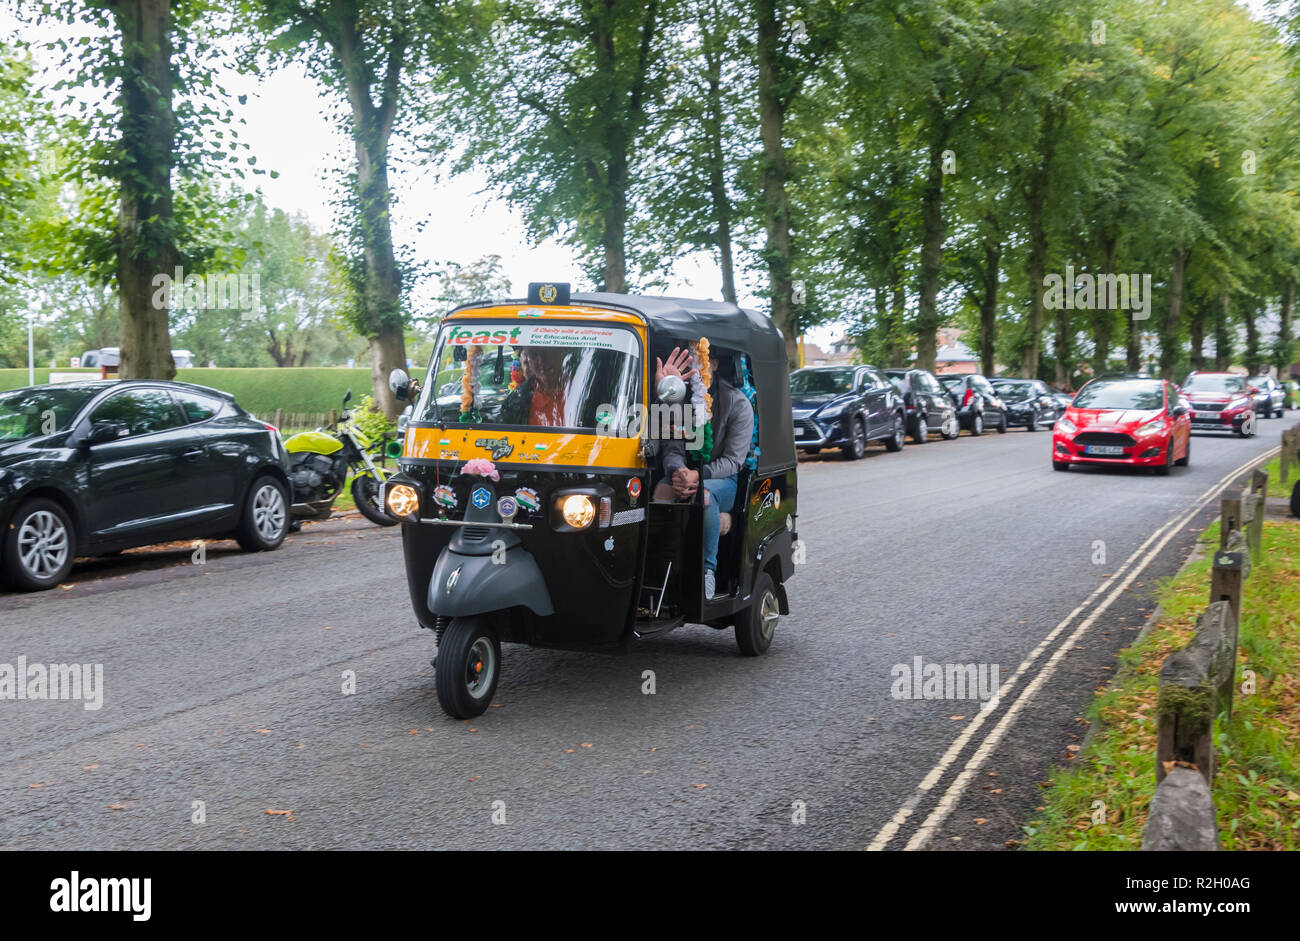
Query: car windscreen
(536, 374)
(35, 411)
(1014, 391)
(821, 382)
(1142, 394)
(1214, 385)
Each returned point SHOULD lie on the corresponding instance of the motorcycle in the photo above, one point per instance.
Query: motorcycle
(321, 460)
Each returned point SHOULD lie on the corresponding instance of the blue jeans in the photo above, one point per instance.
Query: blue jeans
(722, 493)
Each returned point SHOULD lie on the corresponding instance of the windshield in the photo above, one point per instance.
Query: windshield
(1143, 394)
(36, 411)
(1214, 385)
(1014, 391)
(536, 374)
(821, 381)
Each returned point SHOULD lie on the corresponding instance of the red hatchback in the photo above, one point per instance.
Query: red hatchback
(1131, 420)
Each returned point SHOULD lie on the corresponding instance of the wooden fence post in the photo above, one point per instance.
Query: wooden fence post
(1259, 498)
(278, 418)
(1195, 686)
(1229, 518)
(1231, 569)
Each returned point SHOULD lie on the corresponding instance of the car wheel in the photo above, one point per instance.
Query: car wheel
(39, 546)
(922, 434)
(756, 625)
(1033, 422)
(857, 445)
(1164, 469)
(1186, 459)
(977, 424)
(468, 666)
(1002, 428)
(951, 427)
(265, 520)
(896, 441)
(1060, 465)
(365, 494)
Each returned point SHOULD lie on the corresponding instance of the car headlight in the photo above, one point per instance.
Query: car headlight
(578, 510)
(1153, 427)
(403, 500)
(833, 411)
(1064, 424)
(1240, 403)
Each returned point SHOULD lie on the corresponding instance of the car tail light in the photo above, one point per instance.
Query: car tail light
(271, 428)
(970, 394)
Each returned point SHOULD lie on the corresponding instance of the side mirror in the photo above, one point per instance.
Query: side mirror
(399, 383)
(1178, 411)
(105, 430)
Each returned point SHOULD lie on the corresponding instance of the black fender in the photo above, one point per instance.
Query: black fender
(463, 585)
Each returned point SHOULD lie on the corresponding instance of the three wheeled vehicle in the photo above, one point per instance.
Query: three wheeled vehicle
(526, 479)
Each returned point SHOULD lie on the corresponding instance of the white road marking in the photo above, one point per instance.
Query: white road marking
(955, 791)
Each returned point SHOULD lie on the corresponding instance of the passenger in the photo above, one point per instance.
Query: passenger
(733, 428)
(539, 400)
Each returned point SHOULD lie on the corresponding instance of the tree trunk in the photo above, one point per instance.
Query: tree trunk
(372, 128)
(989, 307)
(1103, 321)
(1285, 332)
(1222, 339)
(1133, 345)
(1061, 348)
(774, 173)
(1252, 339)
(145, 244)
(721, 202)
(1174, 316)
(615, 228)
(932, 235)
(1036, 266)
(1196, 330)
(898, 346)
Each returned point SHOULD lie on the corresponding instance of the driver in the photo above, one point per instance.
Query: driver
(733, 430)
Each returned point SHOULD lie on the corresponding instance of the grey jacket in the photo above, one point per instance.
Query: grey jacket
(733, 431)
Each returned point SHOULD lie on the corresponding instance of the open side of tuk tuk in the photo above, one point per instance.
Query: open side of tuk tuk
(526, 520)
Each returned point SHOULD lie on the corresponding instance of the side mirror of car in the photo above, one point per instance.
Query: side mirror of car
(1178, 411)
(106, 430)
(400, 384)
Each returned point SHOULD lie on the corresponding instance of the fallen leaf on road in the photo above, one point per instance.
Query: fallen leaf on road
(413, 732)
(280, 813)
(981, 820)
(91, 767)
(956, 717)
(263, 731)
(33, 785)
(1071, 747)
(588, 745)
(991, 774)
(699, 787)
(117, 807)
(569, 751)
(654, 747)
(996, 790)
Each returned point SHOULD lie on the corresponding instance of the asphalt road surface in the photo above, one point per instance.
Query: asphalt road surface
(223, 682)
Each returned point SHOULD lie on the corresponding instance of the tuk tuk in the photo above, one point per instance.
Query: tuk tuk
(525, 483)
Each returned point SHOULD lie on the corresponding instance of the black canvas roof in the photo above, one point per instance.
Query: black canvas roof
(723, 323)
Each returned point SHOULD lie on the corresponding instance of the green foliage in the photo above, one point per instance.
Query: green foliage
(372, 422)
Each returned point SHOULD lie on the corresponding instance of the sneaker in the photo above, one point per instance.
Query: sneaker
(710, 583)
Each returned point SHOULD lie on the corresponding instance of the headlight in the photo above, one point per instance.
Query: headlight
(403, 500)
(578, 510)
(1153, 427)
(833, 411)
(1240, 403)
(1064, 424)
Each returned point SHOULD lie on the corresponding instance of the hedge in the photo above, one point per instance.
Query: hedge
(261, 390)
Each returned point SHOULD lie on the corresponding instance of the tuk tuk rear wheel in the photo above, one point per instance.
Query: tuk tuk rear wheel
(756, 625)
(468, 666)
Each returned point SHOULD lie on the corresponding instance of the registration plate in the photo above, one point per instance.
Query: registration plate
(1104, 450)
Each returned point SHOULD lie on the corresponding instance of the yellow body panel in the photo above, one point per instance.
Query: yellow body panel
(528, 448)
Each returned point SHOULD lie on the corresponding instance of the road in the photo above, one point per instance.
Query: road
(223, 682)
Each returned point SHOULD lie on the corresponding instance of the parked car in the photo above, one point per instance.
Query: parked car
(112, 356)
(978, 403)
(1031, 403)
(1269, 396)
(845, 407)
(1220, 401)
(928, 405)
(1128, 420)
(1292, 389)
(94, 467)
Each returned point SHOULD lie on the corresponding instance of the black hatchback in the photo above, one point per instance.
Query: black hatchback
(929, 407)
(88, 468)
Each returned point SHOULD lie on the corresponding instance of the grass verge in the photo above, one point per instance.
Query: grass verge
(1257, 788)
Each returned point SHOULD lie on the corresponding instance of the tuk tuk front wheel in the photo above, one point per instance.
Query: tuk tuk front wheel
(468, 665)
(757, 623)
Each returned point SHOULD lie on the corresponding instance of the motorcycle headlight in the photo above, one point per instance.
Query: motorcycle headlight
(578, 510)
(403, 501)
(1064, 424)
